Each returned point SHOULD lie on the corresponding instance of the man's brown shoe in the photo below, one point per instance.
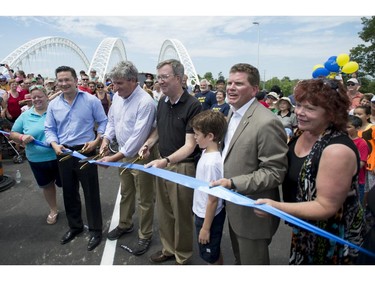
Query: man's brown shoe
(159, 257)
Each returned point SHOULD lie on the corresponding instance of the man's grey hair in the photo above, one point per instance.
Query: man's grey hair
(124, 70)
(177, 67)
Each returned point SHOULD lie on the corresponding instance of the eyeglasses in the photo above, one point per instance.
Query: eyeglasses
(164, 77)
(350, 84)
(85, 79)
(33, 87)
(100, 87)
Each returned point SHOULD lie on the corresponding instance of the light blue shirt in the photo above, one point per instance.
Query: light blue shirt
(31, 123)
(74, 124)
(131, 120)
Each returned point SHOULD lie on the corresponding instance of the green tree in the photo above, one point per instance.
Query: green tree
(271, 82)
(208, 76)
(364, 54)
(220, 76)
(287, 86)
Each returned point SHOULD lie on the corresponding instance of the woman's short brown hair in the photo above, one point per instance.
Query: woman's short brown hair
(329, 94)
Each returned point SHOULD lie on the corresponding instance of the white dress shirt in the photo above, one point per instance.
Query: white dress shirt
(233, 124)
(131, 120)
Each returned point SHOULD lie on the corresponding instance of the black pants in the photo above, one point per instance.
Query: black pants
(71, 177)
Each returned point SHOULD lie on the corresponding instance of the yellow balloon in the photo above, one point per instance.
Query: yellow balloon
(342, 59)
(350, 67)
(332, 75)
(318, 66)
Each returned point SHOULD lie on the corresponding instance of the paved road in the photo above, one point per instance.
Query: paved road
(26, 239)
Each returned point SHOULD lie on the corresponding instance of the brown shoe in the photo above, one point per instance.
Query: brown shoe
(159, 257)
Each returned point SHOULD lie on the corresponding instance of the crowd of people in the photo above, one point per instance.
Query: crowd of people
(316, 145)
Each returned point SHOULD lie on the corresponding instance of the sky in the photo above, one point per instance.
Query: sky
(289, 44)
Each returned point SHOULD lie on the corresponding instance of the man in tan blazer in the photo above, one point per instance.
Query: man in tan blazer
(255, 164)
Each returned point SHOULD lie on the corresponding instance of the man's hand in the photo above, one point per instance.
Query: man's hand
(104, 150)
(89, 146)
(223, 182)
(58, 148)
(144, 151)
(104, 159)
(159, 163)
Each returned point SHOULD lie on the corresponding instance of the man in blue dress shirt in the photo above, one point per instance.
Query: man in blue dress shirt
(69, 124)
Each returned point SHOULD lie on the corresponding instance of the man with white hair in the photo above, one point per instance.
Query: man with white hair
(93, 76)
(206, 97)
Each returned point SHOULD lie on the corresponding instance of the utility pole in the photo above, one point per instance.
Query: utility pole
(257, 23)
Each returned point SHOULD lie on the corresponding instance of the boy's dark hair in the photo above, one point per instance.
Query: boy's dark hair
(210, 122)
(355, 121)
(220, 81)
(366, 108)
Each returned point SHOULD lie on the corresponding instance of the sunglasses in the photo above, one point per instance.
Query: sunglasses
(350, 84)
(39, 87)
(85, 79)
(100, 87)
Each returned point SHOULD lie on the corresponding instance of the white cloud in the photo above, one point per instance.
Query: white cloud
(289, 46)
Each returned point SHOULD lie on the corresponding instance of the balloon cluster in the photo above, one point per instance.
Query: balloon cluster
(334, 66)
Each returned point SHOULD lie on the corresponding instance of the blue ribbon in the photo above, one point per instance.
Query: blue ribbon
(234, 197)
(220, 192)
(37, 142)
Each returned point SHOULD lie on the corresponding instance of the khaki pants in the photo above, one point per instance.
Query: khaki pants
(174, 209)
(137, 186)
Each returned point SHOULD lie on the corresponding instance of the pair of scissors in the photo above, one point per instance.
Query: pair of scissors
(86, 160)
(140, 157)
(68, 154)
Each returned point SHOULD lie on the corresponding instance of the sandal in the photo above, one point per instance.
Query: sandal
(52, 218)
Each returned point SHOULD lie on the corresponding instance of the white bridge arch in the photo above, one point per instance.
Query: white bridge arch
(16, 59)
(174, 49)
(109, 52)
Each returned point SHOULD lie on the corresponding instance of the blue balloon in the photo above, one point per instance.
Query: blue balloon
(332, 58)
(332, 66)
(320, 72)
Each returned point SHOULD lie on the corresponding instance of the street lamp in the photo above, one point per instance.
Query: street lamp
(257, 23)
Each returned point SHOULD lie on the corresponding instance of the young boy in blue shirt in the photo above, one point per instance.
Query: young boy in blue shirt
(209, 130)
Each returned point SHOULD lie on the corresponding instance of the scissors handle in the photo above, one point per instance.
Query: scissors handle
(140, 157)
(68, 153)
(86, 160)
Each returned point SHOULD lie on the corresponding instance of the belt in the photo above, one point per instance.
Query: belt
(186, 160)
(74, 147)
